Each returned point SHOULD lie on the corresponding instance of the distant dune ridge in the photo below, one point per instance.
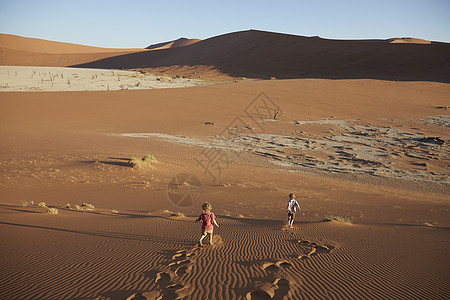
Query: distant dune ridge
(408, 41)
(254, 54)
(14, 42)
(22, 51)
(181, 42)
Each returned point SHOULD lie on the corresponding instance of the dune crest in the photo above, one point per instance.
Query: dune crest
(408, 41)
(15, 42)
(181, 42)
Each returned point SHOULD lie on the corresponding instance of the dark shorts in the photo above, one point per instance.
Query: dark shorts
(291, 215)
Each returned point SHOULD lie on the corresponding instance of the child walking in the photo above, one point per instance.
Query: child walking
(292, 209)
(209, 220)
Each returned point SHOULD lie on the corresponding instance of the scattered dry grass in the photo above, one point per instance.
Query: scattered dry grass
(87, 205)
(144, 161)
(178, 214)
(52, 211)
(337, 219)
(27, 203)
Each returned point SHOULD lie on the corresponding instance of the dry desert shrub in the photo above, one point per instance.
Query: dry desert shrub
(87, 205)
(115, 211)
(178, 214)
(27, 203)
(42, 204)
(52, 211)
(144, 161)
(337, 219)
(163, 79)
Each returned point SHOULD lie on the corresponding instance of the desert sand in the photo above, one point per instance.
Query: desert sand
(371, 153)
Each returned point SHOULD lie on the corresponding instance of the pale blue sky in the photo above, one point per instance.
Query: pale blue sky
(127, 24)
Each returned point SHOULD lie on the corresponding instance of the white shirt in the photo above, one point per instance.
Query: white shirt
(292, 206)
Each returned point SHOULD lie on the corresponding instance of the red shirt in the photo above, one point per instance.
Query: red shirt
(207, 219)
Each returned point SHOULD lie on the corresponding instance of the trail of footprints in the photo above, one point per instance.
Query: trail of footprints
(314, 249)
(278, 287)
(168, 280)
(169, 285)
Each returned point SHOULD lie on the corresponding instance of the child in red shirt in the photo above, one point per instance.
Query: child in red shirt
(209, 220)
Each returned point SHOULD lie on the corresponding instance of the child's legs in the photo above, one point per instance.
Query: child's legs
(203, 235)
(290, 219)
(211, 237)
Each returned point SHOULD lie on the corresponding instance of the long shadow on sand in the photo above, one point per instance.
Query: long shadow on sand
(107, 234)
(414, 225)
(263, 222)
(121, 162)
(15, 208)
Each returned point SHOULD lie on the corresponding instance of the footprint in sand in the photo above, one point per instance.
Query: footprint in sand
(164, 277)
(169, 285)
(314, 249)
(277, 289)
(145, 296)
(273, 267)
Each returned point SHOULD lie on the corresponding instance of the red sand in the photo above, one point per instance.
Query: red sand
(63, 147)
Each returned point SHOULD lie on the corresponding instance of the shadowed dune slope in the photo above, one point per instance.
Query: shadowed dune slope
(260, 54)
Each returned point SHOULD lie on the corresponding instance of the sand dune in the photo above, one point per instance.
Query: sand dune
(21, 51)
(14, 42)
(408, 41)
(264, 54)
(133, 255)
(181, 42)
(255, 54)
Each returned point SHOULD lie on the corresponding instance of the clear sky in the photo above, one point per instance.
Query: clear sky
(128, 24)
